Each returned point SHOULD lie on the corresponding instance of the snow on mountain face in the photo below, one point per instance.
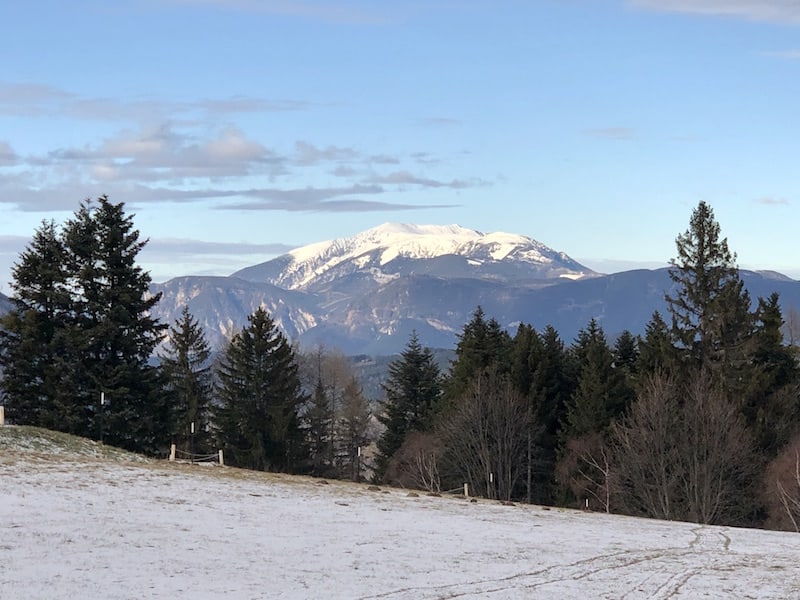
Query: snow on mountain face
(372, 250)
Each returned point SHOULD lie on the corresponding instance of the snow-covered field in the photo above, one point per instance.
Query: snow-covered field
(74, 525)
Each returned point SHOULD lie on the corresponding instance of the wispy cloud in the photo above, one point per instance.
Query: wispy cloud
(31, 99)
(12, 243)
(166, 153)
(776, 11)
(610, 133)
(189, 152)
(311, 199)
(770, 201)
(189, 247)
(408, 178)
(309, 154)
(784, 54)
(35, 100)
(7, 154)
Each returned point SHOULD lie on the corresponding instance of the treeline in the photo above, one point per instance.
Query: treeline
(697, 419)
(77, 353)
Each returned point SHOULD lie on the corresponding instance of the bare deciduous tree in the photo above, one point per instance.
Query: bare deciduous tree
(646, 448)
(486, 438)
(791, 327)
(586, 469)
(337, 415)
(416, 463)
(782, 489)
(789, 497)
(715, 453)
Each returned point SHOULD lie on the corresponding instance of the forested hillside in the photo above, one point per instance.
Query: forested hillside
(696, 419)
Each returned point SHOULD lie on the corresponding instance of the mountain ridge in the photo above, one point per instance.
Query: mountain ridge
(384, 249)
(364, 295)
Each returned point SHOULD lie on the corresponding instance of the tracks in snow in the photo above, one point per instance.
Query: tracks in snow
(657, 573)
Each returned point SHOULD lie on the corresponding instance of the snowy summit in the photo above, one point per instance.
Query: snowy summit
(394, 249)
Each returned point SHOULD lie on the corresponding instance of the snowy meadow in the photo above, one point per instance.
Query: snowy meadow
(80, 520)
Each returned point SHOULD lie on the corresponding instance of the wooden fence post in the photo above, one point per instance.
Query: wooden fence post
(221, 460)
(172, 453)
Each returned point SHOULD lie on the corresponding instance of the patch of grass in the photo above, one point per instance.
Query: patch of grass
(35, 440)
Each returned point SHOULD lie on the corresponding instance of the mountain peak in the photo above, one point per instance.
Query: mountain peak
(391, 250)
(401, 229)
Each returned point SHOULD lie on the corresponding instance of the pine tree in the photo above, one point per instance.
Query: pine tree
(320, 418)
(259, 398)
(32, 352)
(114, 330)
(185, 362)
(602, 393)
(771, 405)
(82, 332)
(710, 307)
(626, 353)
(656, 352)
(412, 392)
(551, 389)
(526, 352)
(482, 346)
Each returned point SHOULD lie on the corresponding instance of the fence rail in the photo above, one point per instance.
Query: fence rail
(183, 456)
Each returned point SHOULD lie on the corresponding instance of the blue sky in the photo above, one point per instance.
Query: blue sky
(236, 130)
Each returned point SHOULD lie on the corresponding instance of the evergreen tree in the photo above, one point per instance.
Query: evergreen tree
(602, 393)
(186, 367)
(259, 398)
(82, 331)
(412, 392)
(551, 389)
(482, 346)
(710, 307)
(320, 419)
(32, 352)
(114, 330)
(526, 352)
(771, 403)
(656, 352)
(626, 353)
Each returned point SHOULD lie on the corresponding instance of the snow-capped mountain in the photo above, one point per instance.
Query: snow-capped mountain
(394, 250)
(365, 294)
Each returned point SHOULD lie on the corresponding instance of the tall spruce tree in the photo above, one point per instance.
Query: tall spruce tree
(82, 332)
(482, 346)
(259, 397)
(32, 334)
(185, 361)
(602, 393)
(412, 389)
(525, 354)
(771, 406)
(709, 307)
(114, 331)
(551, 389)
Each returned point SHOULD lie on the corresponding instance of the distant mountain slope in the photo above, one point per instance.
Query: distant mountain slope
(5, 304)
(380, 322)
(367, 293)
(222, 304)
